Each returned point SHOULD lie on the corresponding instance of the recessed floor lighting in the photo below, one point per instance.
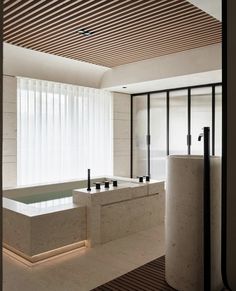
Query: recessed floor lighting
(85, 32)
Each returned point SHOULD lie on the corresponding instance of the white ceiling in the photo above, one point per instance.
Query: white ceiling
(168, 83)
(212, 7)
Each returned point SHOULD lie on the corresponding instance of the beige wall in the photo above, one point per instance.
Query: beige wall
(18, 61)
(192, 61)
(121, 134)
(9, 131)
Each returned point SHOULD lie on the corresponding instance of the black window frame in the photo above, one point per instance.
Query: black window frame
(167, 91)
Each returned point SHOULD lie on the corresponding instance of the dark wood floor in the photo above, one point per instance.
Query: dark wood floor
(149, 277)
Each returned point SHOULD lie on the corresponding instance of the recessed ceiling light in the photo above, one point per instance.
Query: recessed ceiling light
(85, 32)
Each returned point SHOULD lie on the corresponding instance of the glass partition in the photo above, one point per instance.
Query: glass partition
(158, 125)
(201, 116)
(169, 116)
(178, 122)
(140, 122)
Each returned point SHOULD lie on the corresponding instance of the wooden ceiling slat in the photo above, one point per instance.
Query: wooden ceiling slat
(141, 47)
(162, 36)
(135, 55)
(56, 16)
(60, 9)
(135, 23)
(159, 36)
(7, 4)
(24, 11)
(137, 46)
(22, 8)
(125, 30)
(145, 46)
(9, 9)
(131, 25)
(114, 60)
(74, 22)
(70, 9)
(123, 39)
(150, 26)
(154, 26)
(60, 19)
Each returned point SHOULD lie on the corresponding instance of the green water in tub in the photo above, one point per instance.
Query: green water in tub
(44, 197)
(29, 199)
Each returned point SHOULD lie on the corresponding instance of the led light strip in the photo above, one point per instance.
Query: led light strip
(31, 261)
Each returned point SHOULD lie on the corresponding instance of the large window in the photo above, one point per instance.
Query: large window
(62, 130)
(169, 122)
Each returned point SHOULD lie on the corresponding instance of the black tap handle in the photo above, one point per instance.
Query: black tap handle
(140, 179)
(98, 185)
(114, 183)
(107, 184)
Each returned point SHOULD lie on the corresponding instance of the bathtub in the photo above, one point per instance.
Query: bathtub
(43, 220)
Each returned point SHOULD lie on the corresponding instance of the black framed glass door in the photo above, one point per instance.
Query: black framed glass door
(139, 132)
(178, 122)
(169, 122)
(201, 115)
(158, 133)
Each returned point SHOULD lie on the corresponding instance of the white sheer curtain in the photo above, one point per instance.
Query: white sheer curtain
(62, 130)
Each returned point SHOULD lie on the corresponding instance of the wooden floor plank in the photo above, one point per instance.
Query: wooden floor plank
(149, 277)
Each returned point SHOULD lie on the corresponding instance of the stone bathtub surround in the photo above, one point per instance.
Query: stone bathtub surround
(119, 211)
(31, 231)
(184, 223)
(87, 218)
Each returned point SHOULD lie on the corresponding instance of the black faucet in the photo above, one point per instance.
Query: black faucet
(206, 208)
(200, 136)
(89, 188)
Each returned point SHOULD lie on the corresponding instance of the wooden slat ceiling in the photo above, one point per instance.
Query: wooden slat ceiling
(124, 31)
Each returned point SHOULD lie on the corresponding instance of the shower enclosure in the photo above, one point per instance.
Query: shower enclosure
(168, 122)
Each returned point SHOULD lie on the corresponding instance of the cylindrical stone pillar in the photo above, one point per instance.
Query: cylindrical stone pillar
(184, 223)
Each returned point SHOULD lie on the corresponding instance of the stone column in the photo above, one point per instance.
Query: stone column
(184, 222)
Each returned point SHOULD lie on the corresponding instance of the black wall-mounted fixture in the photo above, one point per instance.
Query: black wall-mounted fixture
(206, 209)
